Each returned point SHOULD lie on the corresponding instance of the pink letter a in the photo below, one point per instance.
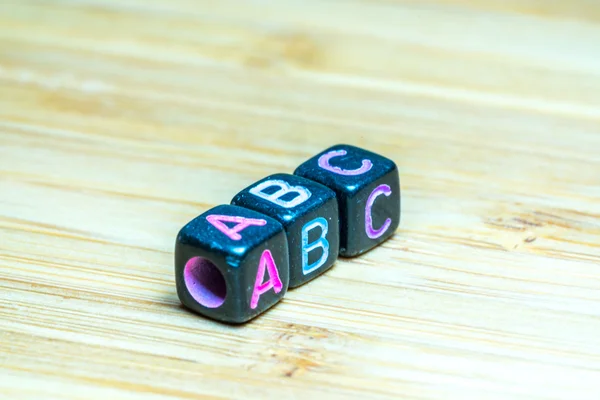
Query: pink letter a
(266, 260)
(233, 233)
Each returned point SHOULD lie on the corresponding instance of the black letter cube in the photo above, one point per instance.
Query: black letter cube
(309, 214)
(231, 264)
(367, 186)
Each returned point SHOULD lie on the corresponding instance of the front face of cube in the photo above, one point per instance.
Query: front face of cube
(367, 186)
(310, 216)
(231, 264)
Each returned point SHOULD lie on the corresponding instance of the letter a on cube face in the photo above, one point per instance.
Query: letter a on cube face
(266, 263)
(218, 221)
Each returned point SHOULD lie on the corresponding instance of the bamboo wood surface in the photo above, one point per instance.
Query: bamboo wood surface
(120, 120)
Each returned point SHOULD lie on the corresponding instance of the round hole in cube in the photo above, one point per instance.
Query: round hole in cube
(205, 282)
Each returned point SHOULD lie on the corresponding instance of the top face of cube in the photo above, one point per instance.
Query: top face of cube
(284, 197)
(346, 169)
(228, 231)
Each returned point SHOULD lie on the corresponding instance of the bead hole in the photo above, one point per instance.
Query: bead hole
(205, 282)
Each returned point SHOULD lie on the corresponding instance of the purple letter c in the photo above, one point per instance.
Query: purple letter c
(324, 163)
(373, 233)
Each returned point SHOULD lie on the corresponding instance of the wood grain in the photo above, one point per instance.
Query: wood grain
(120, 120)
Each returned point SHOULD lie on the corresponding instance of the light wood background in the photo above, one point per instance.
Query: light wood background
(120, 120)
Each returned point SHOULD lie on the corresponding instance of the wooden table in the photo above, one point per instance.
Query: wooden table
(121, 120)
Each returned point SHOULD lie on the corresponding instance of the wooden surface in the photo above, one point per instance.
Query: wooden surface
(121, 120)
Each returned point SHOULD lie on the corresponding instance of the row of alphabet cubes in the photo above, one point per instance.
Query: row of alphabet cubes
(236, 261)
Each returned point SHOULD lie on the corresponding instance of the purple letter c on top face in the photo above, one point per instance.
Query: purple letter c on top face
(324, 163)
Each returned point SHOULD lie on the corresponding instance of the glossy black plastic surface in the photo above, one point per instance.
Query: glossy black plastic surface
(367, 186)
(230, 274)
(309, 214)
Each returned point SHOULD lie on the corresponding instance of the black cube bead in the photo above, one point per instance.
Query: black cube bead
(231, 264)
(309, 214)
(367, 186)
